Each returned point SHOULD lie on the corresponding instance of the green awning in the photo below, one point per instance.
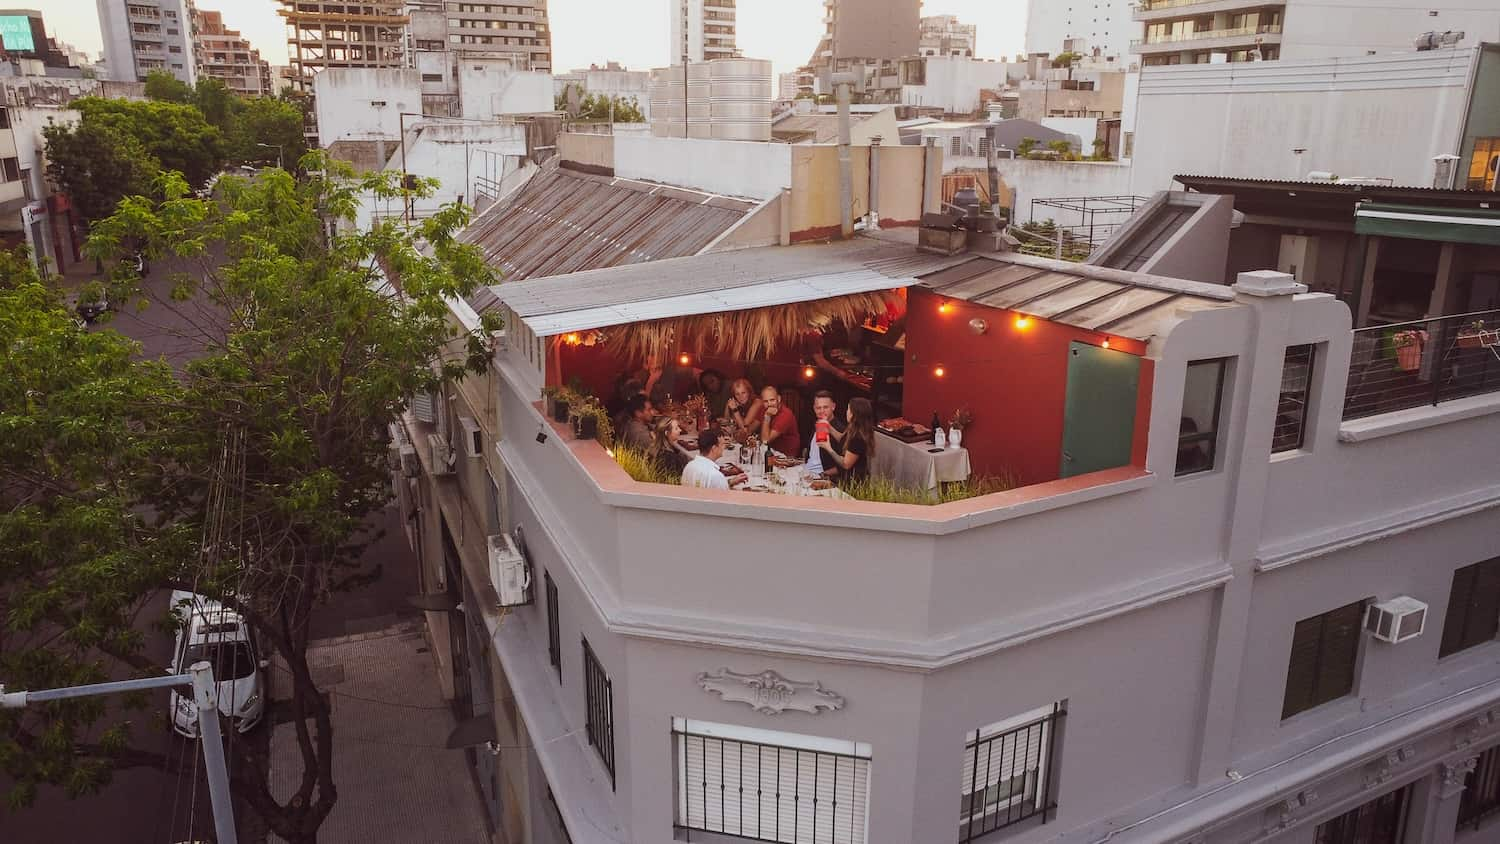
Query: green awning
(1448, 225)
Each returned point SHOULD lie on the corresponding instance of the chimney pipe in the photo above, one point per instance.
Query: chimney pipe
(846, 169)
(874, 183)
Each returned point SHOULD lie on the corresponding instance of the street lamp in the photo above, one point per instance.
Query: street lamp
(279, 148)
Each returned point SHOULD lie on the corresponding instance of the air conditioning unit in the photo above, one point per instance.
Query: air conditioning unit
(424, 407)
(442, 455)
(1396, 620)
(411, 467)
(510, 571)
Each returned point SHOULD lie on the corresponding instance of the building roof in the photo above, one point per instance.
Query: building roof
(566, 222)
(1329, 199)
(1125, 304)
(1008, 133)
(717, 282)
(811, 128)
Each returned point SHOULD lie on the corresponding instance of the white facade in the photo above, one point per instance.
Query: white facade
(945, 35)
(612, 80)
(147, 35)
(703, 30)
(488, 91)
(1103, 24)
(1324, 30)
(953, 83)
(364, 104)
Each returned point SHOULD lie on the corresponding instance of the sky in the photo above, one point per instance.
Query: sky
(584, 32)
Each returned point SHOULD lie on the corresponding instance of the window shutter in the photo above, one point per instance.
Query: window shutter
(1341, 629)
(1302, 667)
(771, 793)
(1484, 604)
(423, 408)
(989, 763)
(1456, 621)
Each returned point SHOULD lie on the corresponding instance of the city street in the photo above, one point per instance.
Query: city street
(152, 806)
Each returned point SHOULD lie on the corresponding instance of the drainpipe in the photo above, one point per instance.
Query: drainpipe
(874, 184)
(846, 169)
(993, 171)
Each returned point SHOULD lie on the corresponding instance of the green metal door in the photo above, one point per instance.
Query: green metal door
(1099, 414)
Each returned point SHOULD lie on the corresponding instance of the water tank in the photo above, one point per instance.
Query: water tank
(740, 99)
(667, 101)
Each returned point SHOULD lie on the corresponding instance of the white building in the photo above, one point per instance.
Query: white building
(1251, 30)
(1103, 24)
(943, 35)
(951, 83)
(145, 35)
(517, 30)
(611, 80)
(703, 30)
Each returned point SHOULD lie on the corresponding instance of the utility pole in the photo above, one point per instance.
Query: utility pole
(205, 695)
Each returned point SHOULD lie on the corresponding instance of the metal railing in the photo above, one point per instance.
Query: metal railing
(1009, 776)
(1208, 34)
(554, 630)
(1481, 798)
(769, 792)
(1423, 362)
(599, 698)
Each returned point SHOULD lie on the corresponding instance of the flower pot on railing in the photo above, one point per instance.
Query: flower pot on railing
(559, 410)
(1470, 340)
(1409, 349)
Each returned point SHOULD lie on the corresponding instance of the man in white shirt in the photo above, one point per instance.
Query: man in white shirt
(703, 471)
(823, 411)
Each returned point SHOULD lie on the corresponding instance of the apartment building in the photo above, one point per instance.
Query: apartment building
(1206, 609)
(515, 32)
(1051, 27)
(141, 36)
(868, 35)
(323, 35)
(224, 54)
(1202, 32)
(703, 30)
(944, 35)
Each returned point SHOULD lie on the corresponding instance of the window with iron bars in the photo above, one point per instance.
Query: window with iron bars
(1008, 772)
(554, 634)
(765, 785)
(1481, 797)
(1296, 387)
(599, 700)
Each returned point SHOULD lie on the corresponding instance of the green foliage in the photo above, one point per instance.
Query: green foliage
(97, 165)
(888, 491)
(1025, 147)
(263, 120)
(599, 107)
(1067, 59)
(1060, 147)
(644, 467)
(161, 85)
(81, 446)
(322, 338)
(217, 103)
(175, 134)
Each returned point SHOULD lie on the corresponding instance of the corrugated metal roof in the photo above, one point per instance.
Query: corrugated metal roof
(1096, 299)
(724, 281)
(565, 222)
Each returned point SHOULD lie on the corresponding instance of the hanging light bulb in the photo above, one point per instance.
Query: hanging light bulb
(1105, 344)
(809, 373)
(939, 372)
(1023, 322)
(684, 359)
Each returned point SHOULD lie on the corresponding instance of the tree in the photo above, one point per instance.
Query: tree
(279, 437)
(162, 85)
(215, 101)
(1066, 59)
(1026, 146)
(80, 449)
(97, 166)
(262, 120)
(176, 135)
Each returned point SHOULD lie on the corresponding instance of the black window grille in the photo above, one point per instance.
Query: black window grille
(1296, 388)
(554, 634)
(599, 700)
(1380, 821)
(769, 792)
(1473, 615)
(1202, 401)
(1325, 649)
(1481, 798)
(1008, 775)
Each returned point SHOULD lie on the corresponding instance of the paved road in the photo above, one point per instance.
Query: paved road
(150, 806)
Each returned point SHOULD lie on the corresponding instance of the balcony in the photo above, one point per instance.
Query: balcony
(1155, 10)
(1209, 39)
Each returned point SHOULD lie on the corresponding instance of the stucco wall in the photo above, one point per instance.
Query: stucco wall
(588, 152)
(364, 103)
(490, 90)
(815, 188)
(734, 168)
(1043, 179)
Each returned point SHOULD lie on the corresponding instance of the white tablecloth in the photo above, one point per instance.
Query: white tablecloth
(912, 465)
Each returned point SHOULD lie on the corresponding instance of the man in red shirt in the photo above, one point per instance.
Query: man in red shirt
(778, 429)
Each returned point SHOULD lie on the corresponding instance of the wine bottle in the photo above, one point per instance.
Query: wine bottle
(939, 438)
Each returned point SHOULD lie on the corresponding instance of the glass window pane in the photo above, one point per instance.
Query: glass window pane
(1199, 428)
(1291, 411)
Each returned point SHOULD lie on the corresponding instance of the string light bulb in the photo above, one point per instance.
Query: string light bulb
(1105, 344)
(939, 372)
(808, 373)
(1023, 322)
(945, 307)
(572, 339)
(684, 359)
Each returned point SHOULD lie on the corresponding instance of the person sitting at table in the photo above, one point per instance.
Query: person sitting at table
(674, 383)
(825, 410)
(665, 450)
(716, 390)
(636, 432)
(703, 471)
(744, 409)
(778, 427)
(853, 465)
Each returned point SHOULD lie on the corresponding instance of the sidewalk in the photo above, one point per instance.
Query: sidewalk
(396, 780)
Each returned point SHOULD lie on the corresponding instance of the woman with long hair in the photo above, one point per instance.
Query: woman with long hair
(664, 448)
(853, 465)
(744, 408)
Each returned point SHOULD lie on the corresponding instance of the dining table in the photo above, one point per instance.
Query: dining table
(793, 480)
(919, 465)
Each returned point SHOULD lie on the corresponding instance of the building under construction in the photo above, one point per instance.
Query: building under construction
(323, 34)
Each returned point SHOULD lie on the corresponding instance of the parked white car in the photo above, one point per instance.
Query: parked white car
(212, 632)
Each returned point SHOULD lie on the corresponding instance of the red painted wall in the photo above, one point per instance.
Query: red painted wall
(1014, 381)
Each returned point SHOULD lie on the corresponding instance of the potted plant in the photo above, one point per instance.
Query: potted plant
(550, 396)
(562, 400)
(1409, 349)
(590, 421)
(1471, 336)
(962, 418)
